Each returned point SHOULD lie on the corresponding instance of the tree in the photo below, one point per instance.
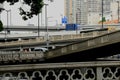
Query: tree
(35, 7)
(1, 26)
(103, 19)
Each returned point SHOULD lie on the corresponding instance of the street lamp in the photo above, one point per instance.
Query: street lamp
(38, 26)
(39, 23)
(118, 10)
(7, 31)
(46, 25)
(102, 13)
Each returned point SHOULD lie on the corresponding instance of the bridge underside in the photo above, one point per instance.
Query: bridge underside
(88, 55)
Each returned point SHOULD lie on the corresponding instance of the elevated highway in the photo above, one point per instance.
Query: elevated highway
(90, 49)
(55, 40)
(55, 28)
(100, 46)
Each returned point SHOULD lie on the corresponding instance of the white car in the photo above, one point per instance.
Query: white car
(40, 49)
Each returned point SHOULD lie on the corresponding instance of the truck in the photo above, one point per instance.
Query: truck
(71, 27)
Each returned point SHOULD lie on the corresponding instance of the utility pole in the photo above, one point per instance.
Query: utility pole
(6, 30)
(46, 25)
(76, 22)
(41, 19)
(8, 19)
(38, 25)
(118, 11)
(102, 14)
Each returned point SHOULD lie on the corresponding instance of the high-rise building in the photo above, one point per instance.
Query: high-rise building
(1, 6)
(68, 10)
(87, 11)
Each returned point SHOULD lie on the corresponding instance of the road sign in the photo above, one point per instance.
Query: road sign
(64, 20)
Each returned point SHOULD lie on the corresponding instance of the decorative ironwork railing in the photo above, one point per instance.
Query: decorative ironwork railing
(106, 70)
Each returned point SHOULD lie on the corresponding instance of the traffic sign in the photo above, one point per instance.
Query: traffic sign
(64, 20)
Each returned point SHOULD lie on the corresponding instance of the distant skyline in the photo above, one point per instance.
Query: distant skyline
(55, 10)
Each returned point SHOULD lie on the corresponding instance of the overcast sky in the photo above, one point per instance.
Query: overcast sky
(55, 10)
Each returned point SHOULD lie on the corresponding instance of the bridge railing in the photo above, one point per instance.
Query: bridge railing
(96, 70)
(20, 56)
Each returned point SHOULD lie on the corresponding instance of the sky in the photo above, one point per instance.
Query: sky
(55, 10)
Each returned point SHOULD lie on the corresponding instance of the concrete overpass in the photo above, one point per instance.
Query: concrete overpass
(100, 46)
(43, 28)
(97, 47)
(53, 40)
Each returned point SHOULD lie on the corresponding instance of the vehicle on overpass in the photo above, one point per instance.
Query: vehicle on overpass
(40, 49)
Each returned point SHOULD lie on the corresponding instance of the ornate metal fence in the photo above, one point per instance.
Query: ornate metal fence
(106, 70)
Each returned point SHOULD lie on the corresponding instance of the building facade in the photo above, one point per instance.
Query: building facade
(68, 10)
(90, 11)
(1, 5)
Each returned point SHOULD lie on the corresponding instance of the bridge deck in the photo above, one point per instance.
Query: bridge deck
(90, 48)
(54, 38)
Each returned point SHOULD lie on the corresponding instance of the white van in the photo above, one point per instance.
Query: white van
(40, 49)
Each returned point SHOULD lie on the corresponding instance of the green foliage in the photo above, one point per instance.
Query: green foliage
(35, 7)
(103, 19)
(1, 26)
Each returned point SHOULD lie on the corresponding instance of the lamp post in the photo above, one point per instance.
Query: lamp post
(102, 14)
(7, 31)
(41, 19)
(46, 26)
(118, 10)
(76, 21)
(38, 26)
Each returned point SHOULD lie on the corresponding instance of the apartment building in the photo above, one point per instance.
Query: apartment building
(89, 11)
(68, 10)
(1, 6)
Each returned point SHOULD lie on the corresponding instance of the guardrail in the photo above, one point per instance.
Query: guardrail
(97, 70)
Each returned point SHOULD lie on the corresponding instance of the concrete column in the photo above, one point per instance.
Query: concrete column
(99, 73)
